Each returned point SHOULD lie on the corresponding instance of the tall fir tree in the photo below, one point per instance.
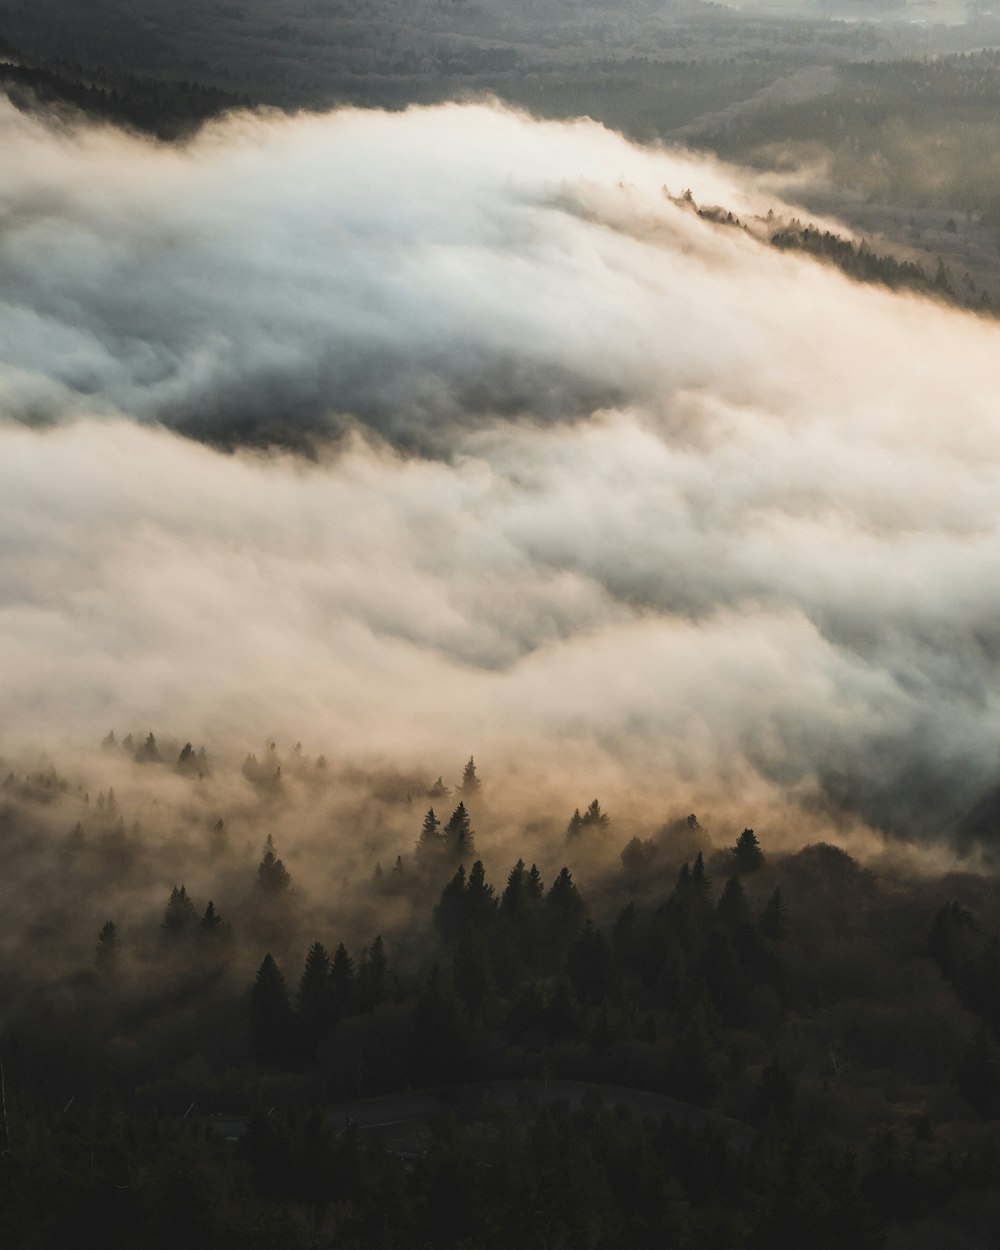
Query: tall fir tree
(270, 1015)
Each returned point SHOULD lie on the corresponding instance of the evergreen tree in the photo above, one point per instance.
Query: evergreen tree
(272, 876)
(634, 857)
(450, 913)
(564, 907)
(373, 976)
(430, 841)
(749, 856)
(470, 782)
(512, 899)
(460, 841)
(315, 996)
(342, 987)
(212, 925)
(480, 899)
(594, 818)
(149, 752)
(187, 761)
(270, 1015)
(179, 917)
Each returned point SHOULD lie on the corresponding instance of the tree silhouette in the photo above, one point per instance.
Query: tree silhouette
(459, 839)
(564, 908)
(149, 752)
(430, 841)
(592, 818)
(450, 912)
(342, 987)
(212, 927)
(187, 761)
(270, 1014)
(315, 997)
(749, 856)
(373, 976)
(272, 876)
(179, 917)
(513, 897)
(471, 784)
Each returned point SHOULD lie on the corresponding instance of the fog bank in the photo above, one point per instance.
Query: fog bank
(598, 489)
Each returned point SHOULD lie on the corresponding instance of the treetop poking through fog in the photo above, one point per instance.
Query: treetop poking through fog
(595, 482)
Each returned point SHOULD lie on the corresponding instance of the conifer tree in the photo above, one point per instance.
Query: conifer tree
(272, 876)
(512, 899)
(430, 841)
(564, 905)
(594, 818)
(179, 917)
(149, 752)
(270, 1014)
(460, 841)
(749, 856)
(533, 887)
(212, 925)
(373, 976)
(450, 910)
(481, 903)
(342, 981)
(470, 782)
(315, 996)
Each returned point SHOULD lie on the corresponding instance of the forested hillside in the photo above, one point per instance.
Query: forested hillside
(661, 1037)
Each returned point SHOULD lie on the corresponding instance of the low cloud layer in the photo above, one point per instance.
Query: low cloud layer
(616, 493)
